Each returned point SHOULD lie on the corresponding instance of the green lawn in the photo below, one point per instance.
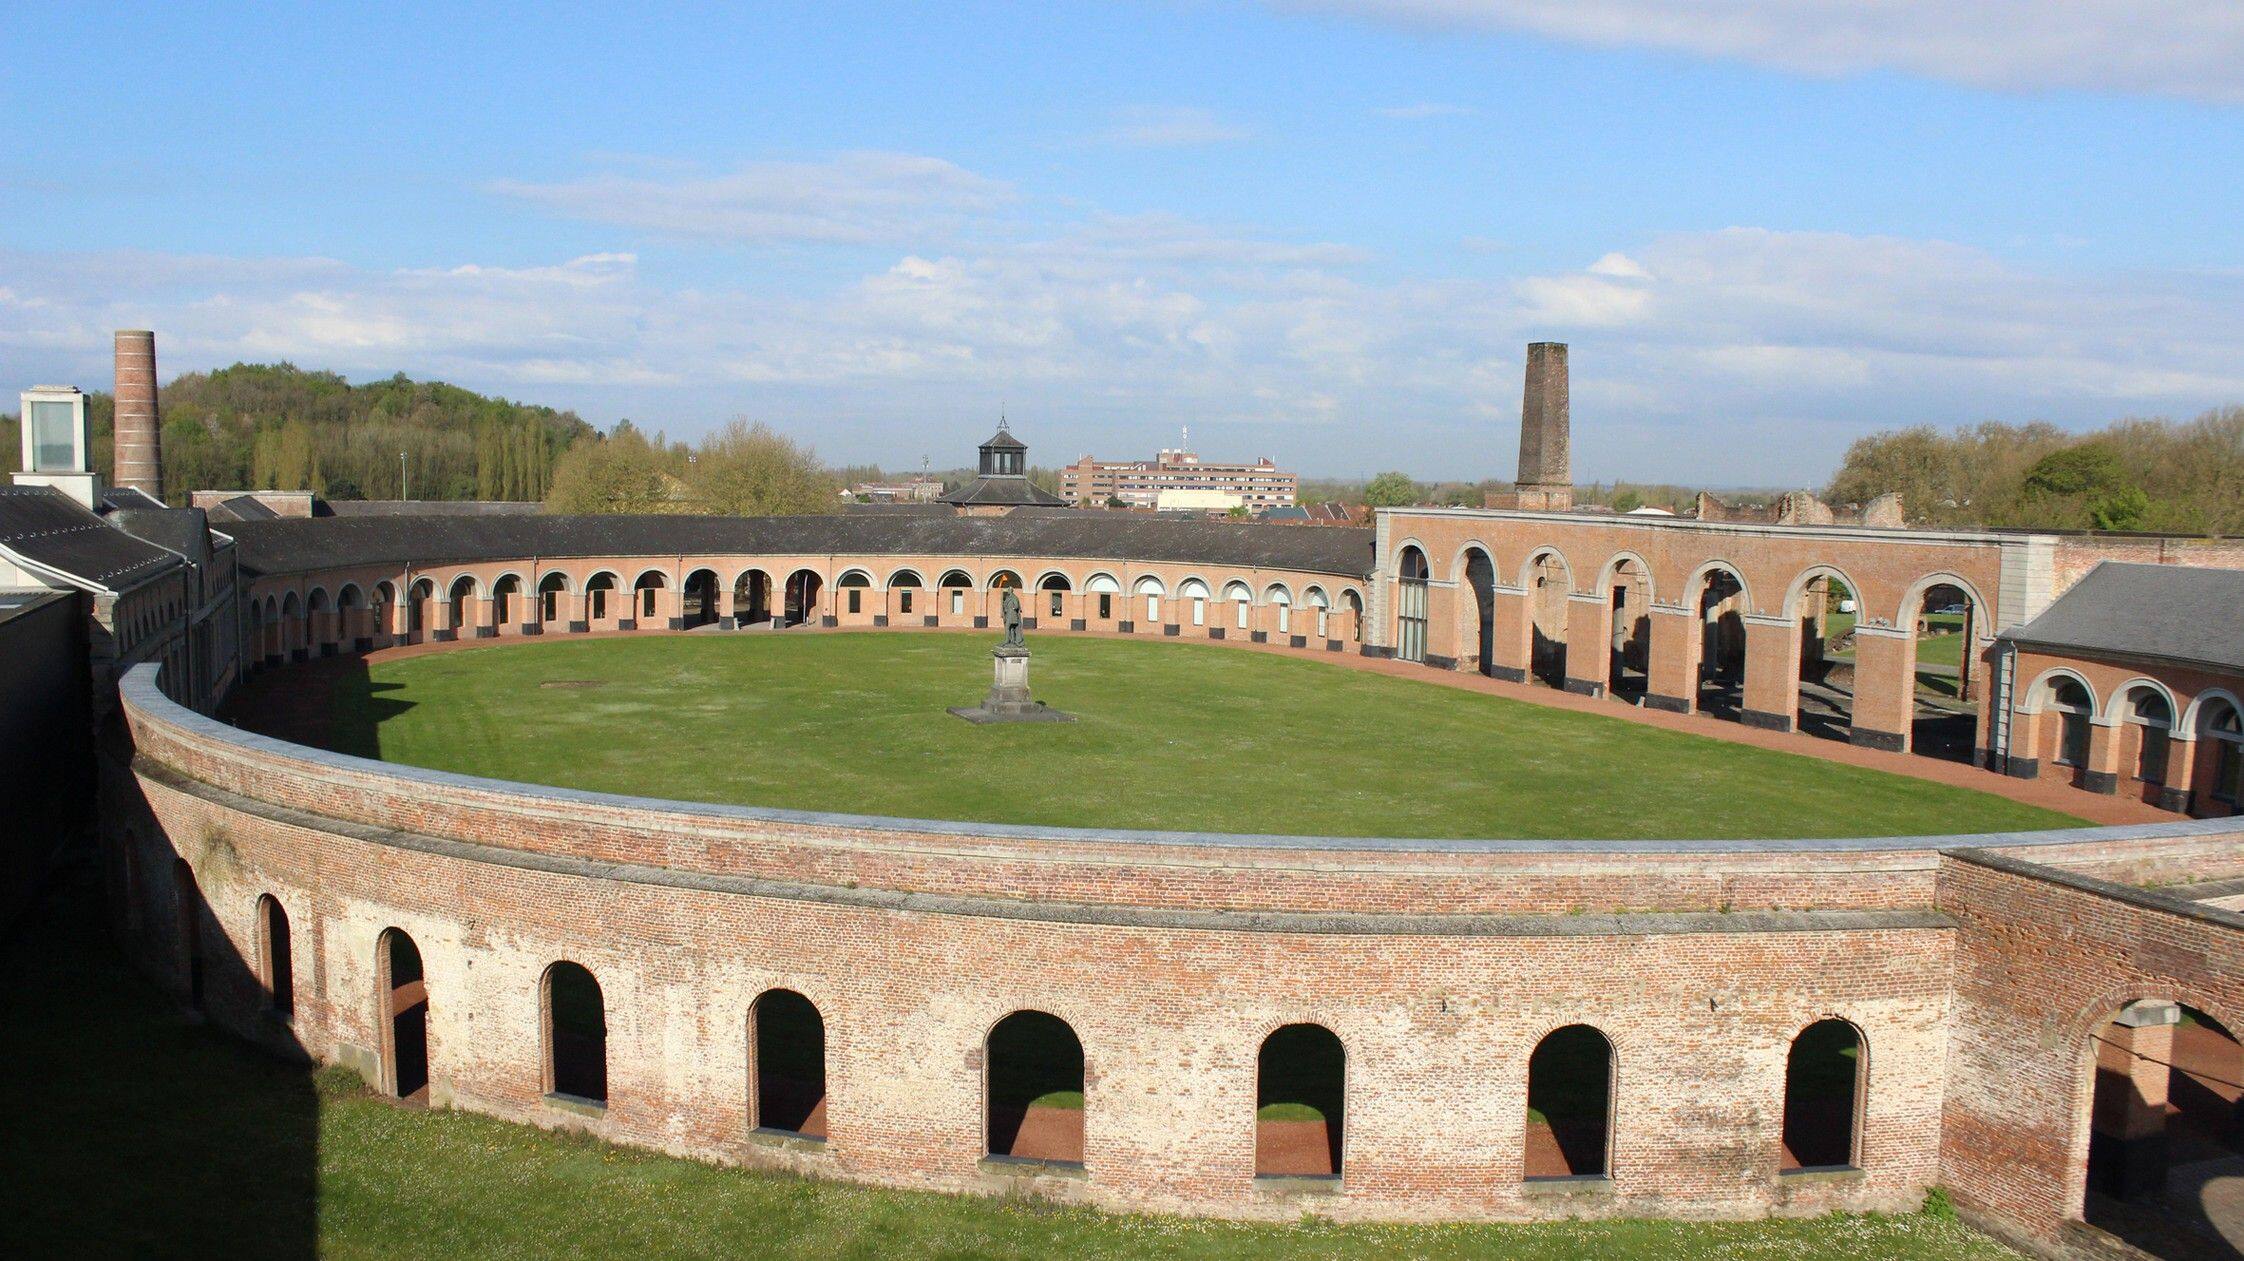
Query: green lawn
(1168, 736)
(137, 1134)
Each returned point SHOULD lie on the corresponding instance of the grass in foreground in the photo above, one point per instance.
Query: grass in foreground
(1172, 736)
(142, 1135)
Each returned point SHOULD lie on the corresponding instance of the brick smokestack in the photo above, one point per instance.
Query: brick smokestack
(140, 455)
(1546, 470)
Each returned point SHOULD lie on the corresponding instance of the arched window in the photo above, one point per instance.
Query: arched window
(1054, 587)
(647, 592)
(188, 909)
(1281, 599)
(596, 591)
(1004, 578)
(1102, 588)
(955, 585)
(2153, 720)
(1152, 590)
(2073, 707)
(699, 607)
(274, 964)
(2225, 732)
(1300, 1102)
(463, 590)
(1410, 606)
(853, 586)
(504, 594)
(790, 1040)
(576, 1035)
(550, 590)
(1823, 1097)
(405, 1016)
(1033, 1082)
(1241, 599)
(1570, 1105)
(906, 585)
(1321, 605)
(1195, 595)
(1353, 601)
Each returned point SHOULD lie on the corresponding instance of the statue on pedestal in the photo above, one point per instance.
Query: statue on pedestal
(1008, 700)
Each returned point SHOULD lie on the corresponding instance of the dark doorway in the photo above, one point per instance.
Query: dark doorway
(1822, 1097)
(803, 587)
(280, 982)
(1570, 1105)
(190, 913)
(790, 1065)
(1034, 1084)
(406, 1004)
(1301, 1089)
(576, 1034)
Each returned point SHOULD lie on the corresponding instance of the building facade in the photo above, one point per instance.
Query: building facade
(1181, 476)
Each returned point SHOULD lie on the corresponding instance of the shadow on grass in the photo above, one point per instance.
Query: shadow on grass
(333, 703)
(133, 1128)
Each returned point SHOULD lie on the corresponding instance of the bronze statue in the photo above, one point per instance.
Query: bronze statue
(1010, 607)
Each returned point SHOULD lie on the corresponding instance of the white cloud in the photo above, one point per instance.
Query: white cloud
(2186, 48)
(855, 198)
(1170, 127)
(1744, 355)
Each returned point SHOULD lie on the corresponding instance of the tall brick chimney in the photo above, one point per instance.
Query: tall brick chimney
(1546, 469)
(140, 455)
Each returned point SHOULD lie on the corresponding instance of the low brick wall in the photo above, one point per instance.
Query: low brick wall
(1439, 965)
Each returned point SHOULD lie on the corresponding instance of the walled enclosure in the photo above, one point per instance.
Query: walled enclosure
(1439, 965)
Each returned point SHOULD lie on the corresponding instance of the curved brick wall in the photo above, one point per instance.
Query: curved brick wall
(1438, 964)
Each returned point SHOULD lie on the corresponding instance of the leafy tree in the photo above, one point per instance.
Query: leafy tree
(1391, 490)
(620, 473)
(749, 470)
(1627, 501)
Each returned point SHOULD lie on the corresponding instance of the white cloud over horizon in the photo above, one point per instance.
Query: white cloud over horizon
(2191, 49)
(1170, 127)
(1732, 356)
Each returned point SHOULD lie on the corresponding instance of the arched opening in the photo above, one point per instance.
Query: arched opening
(1628, 607)
(1549, 582)
(576, 1034)
(1353, 601)
(1720, 677)
(1943, 626)
(1410, 605)
(2164, 1128)
(954, 586)
(2146, 741)
(1033, 1081)
(852, 588)
(1480, 579)
(646, 593)
(1192, 596)
(405, 1017)
(456, 603)
(1150, 590)
(2221, 761)
(905, 584)
(2069, 725)
(1104, 593)
(320, 623)
(1824, 610)
(803, 587)
(1570, 1105)
(751, 598)
(1823, 1098)
(700, 606)
(552, 590)
(291, 625)
(790, 1059)
(1300, 1103)
(275, 965)
(1004, 578)
(383, 609)
(1055, 588)
(599, 597)
(188, 912)
(1241, 599)
(1320, 610)
(506, 600)
(1280, 602)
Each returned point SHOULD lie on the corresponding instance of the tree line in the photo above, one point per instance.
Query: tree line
(280, 427)
(2154, 475)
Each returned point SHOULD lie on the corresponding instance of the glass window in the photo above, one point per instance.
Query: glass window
(54, 444)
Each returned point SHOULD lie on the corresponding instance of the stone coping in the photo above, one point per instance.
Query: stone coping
(140, 694)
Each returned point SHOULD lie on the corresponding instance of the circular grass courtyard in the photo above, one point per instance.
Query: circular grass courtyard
(1169, 736)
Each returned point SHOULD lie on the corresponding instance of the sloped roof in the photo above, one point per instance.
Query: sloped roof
(431, 507)
(243, 508)
(2173, 613)
(294, 545)
(128, 497)
(1003, 490)
(49, 530)
(1004, 440)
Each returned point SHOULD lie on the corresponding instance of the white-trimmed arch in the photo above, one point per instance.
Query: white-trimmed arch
(1695, 586)
(1067, 580)
(2114, 705)
(1795, 592)
(907, 571)
(2035, 696)
(2193, 721)
(661, 579)
(1401, 549)
(863, 575)
(1607, 576)
(1102, 583)
(1464, 557)
(1149, 584)
(350, 596)
(1912, 603)
(521, 583)
(1534, 559)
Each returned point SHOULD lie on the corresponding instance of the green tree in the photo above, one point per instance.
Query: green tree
(1391, 490)
(620, 473)
(750, 470)
(1627, 501)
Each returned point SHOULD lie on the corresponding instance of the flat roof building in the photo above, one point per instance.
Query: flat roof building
(1142, 483)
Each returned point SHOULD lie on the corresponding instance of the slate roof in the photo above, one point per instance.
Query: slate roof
(431, 507)
(243, 508)
(2172, 613)
(1003, 490)
(295, 545)
(128, 497)
(182, 530)
(1003, 440)
(50, 530)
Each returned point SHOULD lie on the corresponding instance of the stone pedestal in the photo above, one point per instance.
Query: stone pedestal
(1009, 700)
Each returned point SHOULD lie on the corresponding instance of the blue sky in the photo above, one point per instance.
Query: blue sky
(1321, 231)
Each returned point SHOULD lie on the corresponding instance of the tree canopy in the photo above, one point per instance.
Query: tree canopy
(743, 469)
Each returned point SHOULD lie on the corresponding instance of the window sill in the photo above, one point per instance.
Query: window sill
(787, 1140)
(1822, 1173)
(1030, 1167)
(1286, 1184)
(576, 1105)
